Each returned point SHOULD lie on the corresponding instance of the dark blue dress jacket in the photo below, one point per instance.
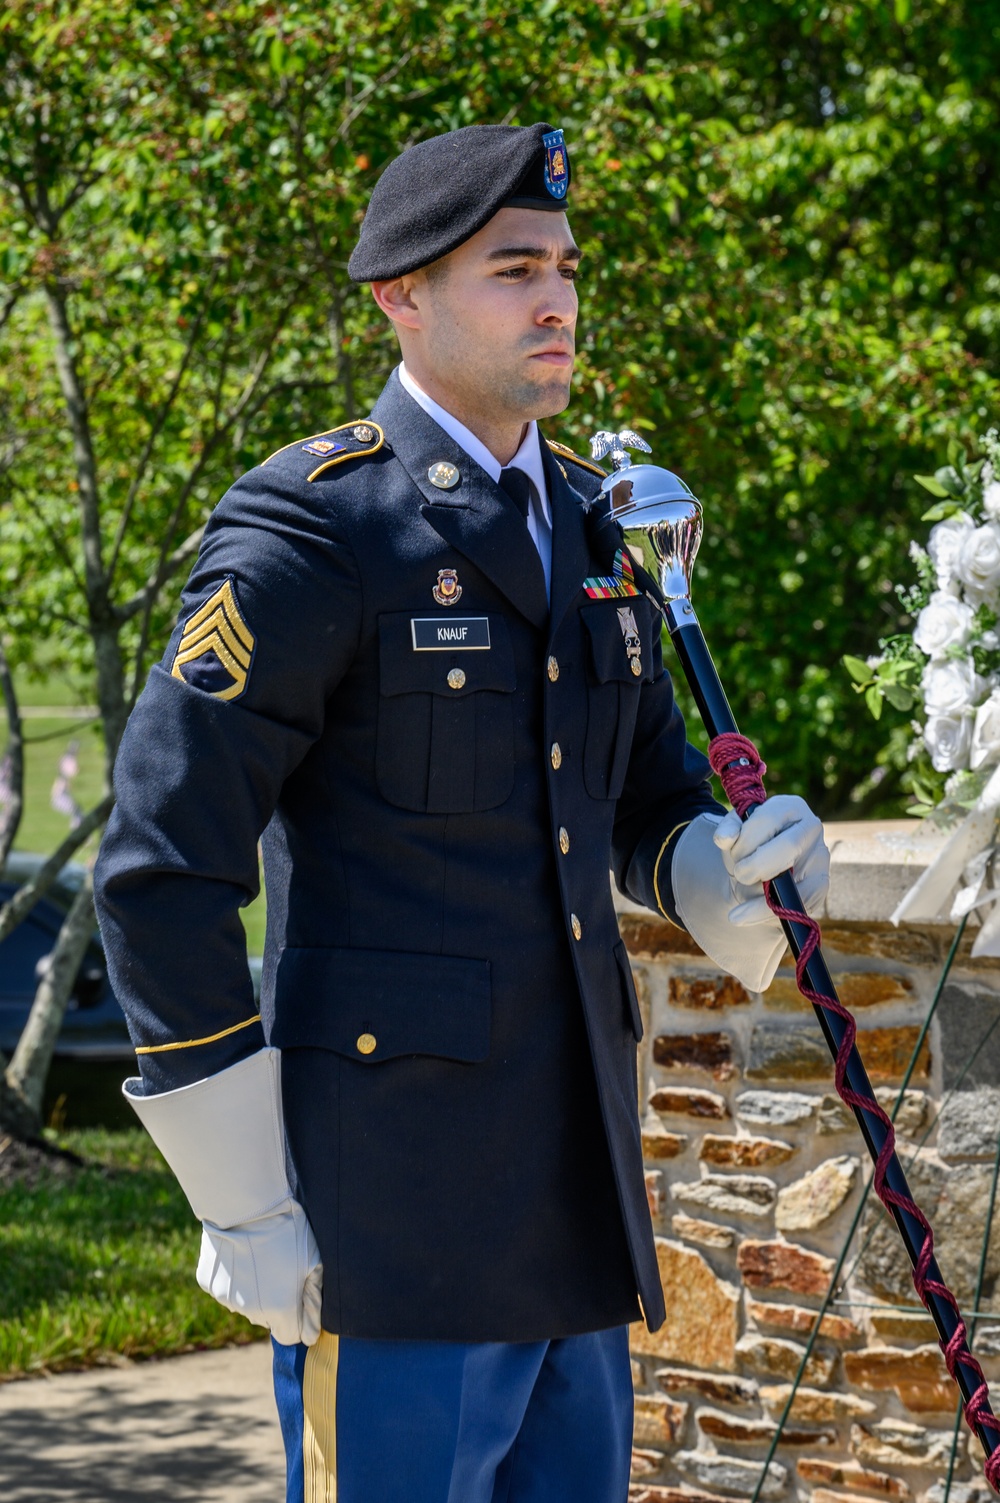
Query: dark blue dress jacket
(443, 970)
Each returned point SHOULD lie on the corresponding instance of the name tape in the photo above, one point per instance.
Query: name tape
(457, 633)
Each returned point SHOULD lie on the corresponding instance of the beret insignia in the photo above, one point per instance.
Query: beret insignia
(556, 163)
(216, 647)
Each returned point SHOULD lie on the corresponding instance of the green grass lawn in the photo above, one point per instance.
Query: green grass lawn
(99, 1263)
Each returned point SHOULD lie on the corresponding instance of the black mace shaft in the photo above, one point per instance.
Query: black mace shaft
(706, 687)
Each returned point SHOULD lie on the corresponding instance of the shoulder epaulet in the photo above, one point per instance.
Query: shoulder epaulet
(335, 445)
(565, 452)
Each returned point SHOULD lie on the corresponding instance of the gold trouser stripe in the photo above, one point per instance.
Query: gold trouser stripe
(193, 1043)
(656, 870)
(319, 1427)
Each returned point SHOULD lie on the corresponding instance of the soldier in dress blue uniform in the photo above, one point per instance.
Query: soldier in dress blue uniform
(412, 661)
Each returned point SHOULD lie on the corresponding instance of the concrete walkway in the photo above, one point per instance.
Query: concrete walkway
(202, 1427)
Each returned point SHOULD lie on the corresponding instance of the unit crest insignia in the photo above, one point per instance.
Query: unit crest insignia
(216, 648)
(447, 591)
(323, 446)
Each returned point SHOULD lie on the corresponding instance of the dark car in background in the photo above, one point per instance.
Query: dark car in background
(93, 1053)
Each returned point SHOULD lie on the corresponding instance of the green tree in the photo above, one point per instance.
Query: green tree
(788, 210)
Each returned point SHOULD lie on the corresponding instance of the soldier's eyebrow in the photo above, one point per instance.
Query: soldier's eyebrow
(570, 252)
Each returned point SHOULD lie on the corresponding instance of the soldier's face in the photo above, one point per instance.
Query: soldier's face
(499, 315)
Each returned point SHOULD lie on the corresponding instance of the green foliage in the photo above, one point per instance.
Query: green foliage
(790, 286)
(100, 1263)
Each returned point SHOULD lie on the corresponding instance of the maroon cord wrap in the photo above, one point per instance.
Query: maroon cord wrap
(744, 787)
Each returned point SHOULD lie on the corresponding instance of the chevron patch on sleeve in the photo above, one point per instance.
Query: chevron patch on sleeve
(216, 648)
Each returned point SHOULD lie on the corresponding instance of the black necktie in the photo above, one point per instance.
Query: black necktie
(518, 487)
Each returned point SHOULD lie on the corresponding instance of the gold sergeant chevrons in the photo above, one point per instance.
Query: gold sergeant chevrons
(216, 636)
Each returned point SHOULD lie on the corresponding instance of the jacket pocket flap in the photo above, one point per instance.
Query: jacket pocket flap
(405, 668)
(608, 644)
(373, 1005)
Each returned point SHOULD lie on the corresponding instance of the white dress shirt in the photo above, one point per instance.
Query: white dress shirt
(528, 458)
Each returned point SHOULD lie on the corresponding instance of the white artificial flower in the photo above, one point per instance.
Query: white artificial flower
(944, 622)
(951, 688)
(943, 545)
(986, 732)
(978, 562)
(916, 552)
(947, 738)
(991, 499)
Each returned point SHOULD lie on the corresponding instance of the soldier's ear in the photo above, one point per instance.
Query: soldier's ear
(400, 300)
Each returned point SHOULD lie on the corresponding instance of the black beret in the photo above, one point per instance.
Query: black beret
(441, 192)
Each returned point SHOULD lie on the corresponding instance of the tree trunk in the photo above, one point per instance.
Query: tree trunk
(28, 1070)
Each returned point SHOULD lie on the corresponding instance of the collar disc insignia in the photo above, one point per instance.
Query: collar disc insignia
(444, 475)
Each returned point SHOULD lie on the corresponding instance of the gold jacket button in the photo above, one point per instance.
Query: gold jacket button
(456, 679)
(555, 756)
(552, 669)
(576, 927)
(564, 840)
(366, 1043)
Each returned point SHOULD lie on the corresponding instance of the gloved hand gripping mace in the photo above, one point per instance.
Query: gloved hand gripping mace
(662, 522)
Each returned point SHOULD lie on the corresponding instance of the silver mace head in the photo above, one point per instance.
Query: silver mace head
(660, 515)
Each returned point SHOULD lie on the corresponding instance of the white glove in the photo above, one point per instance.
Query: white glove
(224, 1139)
(717, 872)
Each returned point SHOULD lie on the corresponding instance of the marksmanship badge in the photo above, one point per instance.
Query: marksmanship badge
(556, 163)
(447, 591)
(630, 632)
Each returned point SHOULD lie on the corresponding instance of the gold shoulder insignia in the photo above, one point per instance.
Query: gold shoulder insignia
(336, 445)
(567, 453)
(216, 647)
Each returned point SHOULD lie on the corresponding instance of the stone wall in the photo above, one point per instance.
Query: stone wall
(755, 1172)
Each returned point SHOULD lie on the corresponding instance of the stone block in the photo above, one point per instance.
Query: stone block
(654, 1191)
(701, 1321)
(824, 1495)
(814, 1407)
(910, 944)
(657, 1143)
(897, 1443)
(743, 1153)
(917, 1375)
(659, 1420)
(783, 1265)
(782, 1051)
(955, 1199)
(731, 1431)
(856, 989)
(801, 1320)
(967, 1019)
(711, 1053)
(731, 1474)
(748, 1195)
(775, 1108)
(814, 1198)
(969, 1124)
(876, 1368)
(799, 1052)
(648, 937)
(646, 1463)
(641, 1494)
(713, 993)
(739, 1392)
(900, 1325)
(705, 1233)
(834, 1116)
(679, 1101)
(772, 1357)
(850, 1474)
(960, 1492)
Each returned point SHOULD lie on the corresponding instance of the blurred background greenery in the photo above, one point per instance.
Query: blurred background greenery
(790, 215)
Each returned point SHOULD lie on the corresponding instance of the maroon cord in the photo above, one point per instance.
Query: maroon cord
(736, 762)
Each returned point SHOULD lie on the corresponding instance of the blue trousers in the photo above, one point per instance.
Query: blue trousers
(453, 1422)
